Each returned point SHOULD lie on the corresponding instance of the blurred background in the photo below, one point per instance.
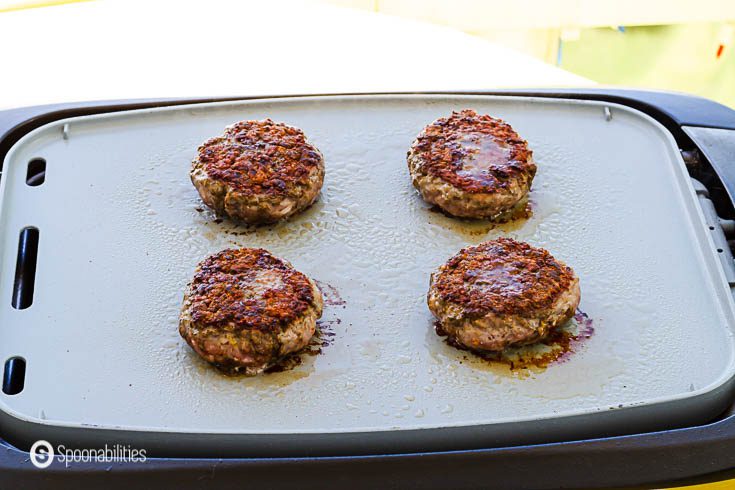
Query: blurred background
(62, 51)
(681, 45)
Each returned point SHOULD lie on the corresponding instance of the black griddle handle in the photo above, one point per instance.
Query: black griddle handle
(681, 456)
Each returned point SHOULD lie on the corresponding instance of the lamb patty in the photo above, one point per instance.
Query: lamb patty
(246, 309)
(258, 172)
(502, 293)
(471, 165)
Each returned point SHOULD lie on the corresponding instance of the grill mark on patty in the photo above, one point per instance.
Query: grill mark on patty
(502, 277)
(248, 288)
(260, 157)
(475, 153)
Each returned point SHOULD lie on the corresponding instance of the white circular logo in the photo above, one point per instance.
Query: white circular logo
(42, 454)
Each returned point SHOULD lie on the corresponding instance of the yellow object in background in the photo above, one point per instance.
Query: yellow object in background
(10, 5)
(721, 485)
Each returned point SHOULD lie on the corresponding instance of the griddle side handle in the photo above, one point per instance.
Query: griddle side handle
(718, 229)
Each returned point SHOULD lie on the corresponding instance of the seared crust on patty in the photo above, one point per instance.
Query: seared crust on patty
(258, 171)
(502, 293)
(245, 309)
(471, 165)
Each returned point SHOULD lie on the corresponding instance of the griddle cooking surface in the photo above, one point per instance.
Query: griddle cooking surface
(122, 228)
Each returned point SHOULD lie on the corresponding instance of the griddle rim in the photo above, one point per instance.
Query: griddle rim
(670, 457)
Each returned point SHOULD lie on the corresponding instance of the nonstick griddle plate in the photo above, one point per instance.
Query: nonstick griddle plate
(121, 229)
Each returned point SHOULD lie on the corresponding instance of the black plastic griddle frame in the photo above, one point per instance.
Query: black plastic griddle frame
(665, 458)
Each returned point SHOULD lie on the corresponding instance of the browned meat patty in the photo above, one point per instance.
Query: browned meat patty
(246, 309)
(502, 293)
(258, 172)
(471, 165)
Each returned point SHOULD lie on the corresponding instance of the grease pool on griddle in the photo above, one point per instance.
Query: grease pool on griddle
(556, 348)
(511, 220)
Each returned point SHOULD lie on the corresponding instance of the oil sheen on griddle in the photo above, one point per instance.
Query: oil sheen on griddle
(555, 348)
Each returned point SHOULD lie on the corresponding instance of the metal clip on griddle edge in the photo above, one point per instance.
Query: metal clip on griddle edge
(719, 229)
